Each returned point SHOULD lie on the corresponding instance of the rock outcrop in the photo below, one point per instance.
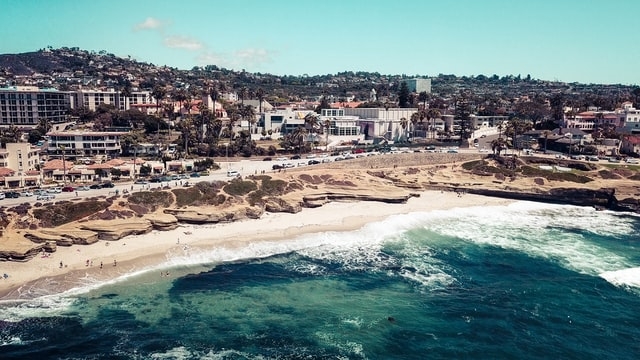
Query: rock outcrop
(317, 200)
(116, 230)
(602, 198)
(162, 222)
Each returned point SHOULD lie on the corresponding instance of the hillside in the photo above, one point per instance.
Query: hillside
(67, 68)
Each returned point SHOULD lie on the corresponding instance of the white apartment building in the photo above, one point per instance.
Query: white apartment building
(25, 106)
(631, 123)
(92, 99)
(76, 144)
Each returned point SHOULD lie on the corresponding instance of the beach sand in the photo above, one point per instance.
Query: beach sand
(81, 263)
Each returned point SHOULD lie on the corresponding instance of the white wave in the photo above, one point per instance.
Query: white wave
(626, 277)
(539, 230)
(528, 227)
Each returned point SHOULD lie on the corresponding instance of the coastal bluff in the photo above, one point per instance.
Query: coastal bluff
(30, 230)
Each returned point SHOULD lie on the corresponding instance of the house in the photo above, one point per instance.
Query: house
(630, 145)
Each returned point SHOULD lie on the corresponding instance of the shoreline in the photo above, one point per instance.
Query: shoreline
(141, 253)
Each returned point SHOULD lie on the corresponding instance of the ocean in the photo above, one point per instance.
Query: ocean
(521, 281)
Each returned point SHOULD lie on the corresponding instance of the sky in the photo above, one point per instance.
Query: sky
(586, 41)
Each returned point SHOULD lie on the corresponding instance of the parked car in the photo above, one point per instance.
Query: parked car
(26, 193)
(276, 167)
(39, 192)
(194, 175)
(184, 176)
(68, 189)
(266, 159)
(155, 179)
(140, 182)
(82, 188)
(314, 162)
(95, 186)
(107, 185)
(232, 173)
(45, 197)
(295, 157)
(11, 194)
(2, 196)
(55, 190)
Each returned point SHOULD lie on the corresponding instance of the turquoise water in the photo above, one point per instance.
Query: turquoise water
(520, 281)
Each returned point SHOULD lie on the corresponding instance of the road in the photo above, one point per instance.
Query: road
(243, 167)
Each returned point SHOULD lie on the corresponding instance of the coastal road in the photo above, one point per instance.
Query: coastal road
(243, 168)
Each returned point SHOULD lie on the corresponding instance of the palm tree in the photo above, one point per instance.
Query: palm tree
(311, 122)
(404, 123)
(242, 93)
(415, 117)
(298, 137)
(158, 93)
(433, 114)
(260, 96)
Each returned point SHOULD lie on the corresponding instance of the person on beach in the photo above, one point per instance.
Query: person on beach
(115, 262)
(100, 264)
(60, 264)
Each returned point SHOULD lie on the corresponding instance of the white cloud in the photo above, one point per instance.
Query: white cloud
(239, 59)
(182, 42)
(252, 57)
(149, 24)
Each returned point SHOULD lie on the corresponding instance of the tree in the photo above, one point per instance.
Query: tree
(158, 93)
(260, 96)
(415, 118)
(497, 145)
(324, 104)
(311, 122)
(298, 137)
(403, 124)
(432, 115)
(242, 93)
(403, 95)
(423, 97)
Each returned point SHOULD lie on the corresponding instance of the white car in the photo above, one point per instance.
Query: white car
(233, 173)
(45, 197)
(26, 193)
(55, 190)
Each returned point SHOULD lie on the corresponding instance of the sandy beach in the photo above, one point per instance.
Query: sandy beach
(109, 260)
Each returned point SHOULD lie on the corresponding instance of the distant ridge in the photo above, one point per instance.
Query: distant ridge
(109, 70)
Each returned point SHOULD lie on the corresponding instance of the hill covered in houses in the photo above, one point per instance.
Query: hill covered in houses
(70, 68)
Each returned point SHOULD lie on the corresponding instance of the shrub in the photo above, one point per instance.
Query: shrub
(240, 187)
(65, 212)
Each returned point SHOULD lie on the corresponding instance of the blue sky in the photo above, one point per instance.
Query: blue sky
(587, 41)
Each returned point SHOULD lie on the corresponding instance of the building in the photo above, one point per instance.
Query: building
(283, 121)
(419, 85)
(23, 161)
(631, 122)
(75, 144)
(26, 106)
(92, 99)
(382, 122)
